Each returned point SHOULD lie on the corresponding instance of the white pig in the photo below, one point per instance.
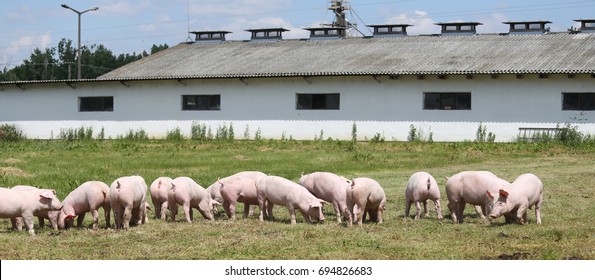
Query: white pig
(214, 189)
(421, 187)
(88, 197)
(470, 187)
(328, 187)
(26, 204)
(189, 194)
(524, 192)
(239, 189)
(158, 191)
(365, 196)
(41, 216)
(275, 190)
(128, 197)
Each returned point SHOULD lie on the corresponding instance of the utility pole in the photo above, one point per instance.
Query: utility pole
(79, 33)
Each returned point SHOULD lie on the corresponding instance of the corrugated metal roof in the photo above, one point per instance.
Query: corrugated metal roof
(410, 55)
(553, 53)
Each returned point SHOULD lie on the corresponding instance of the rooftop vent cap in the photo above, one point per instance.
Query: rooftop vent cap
(267, 34)
(587, 25)
(528, 27)
(458, 28)
(326, 32)
(209, 36)
(389, 30)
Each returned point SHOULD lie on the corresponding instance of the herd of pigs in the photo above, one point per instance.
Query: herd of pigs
(351, 199)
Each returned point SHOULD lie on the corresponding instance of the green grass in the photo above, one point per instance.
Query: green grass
(567, 232)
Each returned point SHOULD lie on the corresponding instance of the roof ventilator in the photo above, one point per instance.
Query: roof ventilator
(389, 30)
(209, 36)
(267, 34)
(528, 27)
(458, 28)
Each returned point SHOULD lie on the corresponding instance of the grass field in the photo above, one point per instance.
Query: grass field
(567, 232)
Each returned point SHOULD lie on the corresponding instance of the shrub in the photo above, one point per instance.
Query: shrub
(569, 135)
(174, 134)
(10, 133)
(354, 132)
(73, 134)
(482, 135)
(198, 131)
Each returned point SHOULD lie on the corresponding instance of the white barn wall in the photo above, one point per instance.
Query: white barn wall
(381, 105)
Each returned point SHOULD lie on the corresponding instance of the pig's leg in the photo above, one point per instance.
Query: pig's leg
(426, 210)
(379, 214)
(28, 220)
(247, 210)
(79, 220)
(127, 217)
(417, 210)
(262, 208)
(461, 210)
(480, 210)
(163, 212)
(95, 215)
(452, 207)
(269, 207)
(187, 211)
(106, 212)
(407, 207)
(232, 210)
(226, 205)
(337, 211)
(438, 209)
(292, 214)
(538, 209)
(41, 222)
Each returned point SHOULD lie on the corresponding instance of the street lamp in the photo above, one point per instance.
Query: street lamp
(79, 39)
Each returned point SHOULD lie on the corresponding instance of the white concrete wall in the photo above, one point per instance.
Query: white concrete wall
(385, 106)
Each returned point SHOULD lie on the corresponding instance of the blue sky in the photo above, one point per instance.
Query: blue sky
(126, 26)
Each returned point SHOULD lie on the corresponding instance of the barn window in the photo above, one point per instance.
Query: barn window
(583, 101)
(447, 101)
(96, 104)
(317, 101)
(201, 102)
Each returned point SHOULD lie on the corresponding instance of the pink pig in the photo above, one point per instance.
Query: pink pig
(186, 192)
(421, 187)
(128, 197)
(214, 189)
(158, 191)
(470, 187)
(26, 204)
(365, 196)
(280, 191)
(239, 189)
(524, 192)
(17, 223)
(88, 197)
(328, 187)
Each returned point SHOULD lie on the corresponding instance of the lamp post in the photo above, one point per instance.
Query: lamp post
(79, 37)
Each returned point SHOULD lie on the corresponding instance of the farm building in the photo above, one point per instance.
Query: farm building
(446, 85)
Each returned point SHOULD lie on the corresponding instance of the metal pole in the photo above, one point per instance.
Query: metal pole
(79, 35)
(79, 50)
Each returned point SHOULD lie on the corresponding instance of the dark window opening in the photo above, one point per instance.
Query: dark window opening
(580, 101)
(318, 101)
(201, 102)
(96, 104)
(447, 101)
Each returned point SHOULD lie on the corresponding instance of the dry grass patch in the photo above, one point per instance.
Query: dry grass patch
(13, 172)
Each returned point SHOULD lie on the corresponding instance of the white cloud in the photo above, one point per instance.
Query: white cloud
(122, 8)
(422, 23)
(238, 28)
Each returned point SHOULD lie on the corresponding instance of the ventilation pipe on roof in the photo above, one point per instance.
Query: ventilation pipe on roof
(389, 30)
(587, 25)
(458, 28)
(209, 36)
(528, 27)
(326, 33)
(267, 34)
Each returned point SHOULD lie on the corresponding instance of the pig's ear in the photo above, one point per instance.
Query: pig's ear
(70, 217)
(488, 194)
(148, 206)
(47, 194)
(503, 193)
(118, 185)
